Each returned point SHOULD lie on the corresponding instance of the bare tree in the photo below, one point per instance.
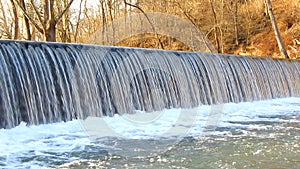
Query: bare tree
(276, 30)
(47, 18)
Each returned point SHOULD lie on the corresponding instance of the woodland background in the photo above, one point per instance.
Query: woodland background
(233, 26)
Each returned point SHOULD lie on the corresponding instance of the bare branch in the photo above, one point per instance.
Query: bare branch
(27, 24)
(16, 20)
(152, 26)
(139, 8)
(64, 11)
(78, 20)
(46, 11)
(28, 17)
(37, 13)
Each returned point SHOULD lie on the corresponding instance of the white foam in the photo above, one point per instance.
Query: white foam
(59, 138)
(24, 141)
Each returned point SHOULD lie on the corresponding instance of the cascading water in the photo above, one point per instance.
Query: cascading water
(51, 82)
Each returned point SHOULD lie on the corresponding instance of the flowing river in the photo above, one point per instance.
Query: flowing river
(261, 134)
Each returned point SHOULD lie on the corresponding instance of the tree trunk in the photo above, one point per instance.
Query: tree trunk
(236, 24)
(276, 30)
(50, 32)
(215, 25)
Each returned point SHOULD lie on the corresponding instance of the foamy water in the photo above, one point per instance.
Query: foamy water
(52, 145)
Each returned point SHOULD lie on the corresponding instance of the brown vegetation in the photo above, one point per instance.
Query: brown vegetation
(263, 42)
(233, 26)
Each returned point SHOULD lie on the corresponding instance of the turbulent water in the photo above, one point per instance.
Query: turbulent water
(262, 134)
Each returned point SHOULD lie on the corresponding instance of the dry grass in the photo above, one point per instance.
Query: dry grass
(262, 40)
(152, 41)
(256, 36)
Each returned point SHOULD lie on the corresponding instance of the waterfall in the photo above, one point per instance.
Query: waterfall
(51, 82)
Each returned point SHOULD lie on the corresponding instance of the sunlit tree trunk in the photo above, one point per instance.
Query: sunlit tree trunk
(276, 30)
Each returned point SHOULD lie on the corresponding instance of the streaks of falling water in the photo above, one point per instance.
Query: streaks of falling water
(51, 82)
